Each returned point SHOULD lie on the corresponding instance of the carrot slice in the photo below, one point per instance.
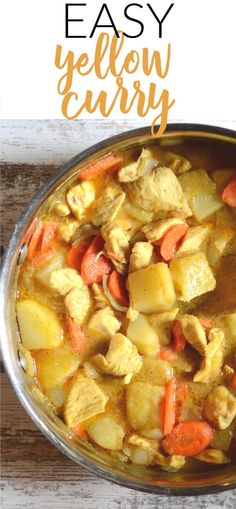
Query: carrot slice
(167, 354)
(42, 259)
(178, 338)
(76, 253)
(80, 430)
(233, 382)
(169, 411)
(171, 239)
(103, 165)
(206, 323)
(49, 235)
(95, 265)
(229, 194)
(116, 285)
(188, 438)
(78, 341)
(181, 393)
(35, 241)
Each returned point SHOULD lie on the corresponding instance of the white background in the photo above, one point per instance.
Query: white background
(202, 77)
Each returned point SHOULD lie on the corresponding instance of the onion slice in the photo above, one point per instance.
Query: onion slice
(110, 297)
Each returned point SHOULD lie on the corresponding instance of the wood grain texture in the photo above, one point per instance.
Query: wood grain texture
(34, 473)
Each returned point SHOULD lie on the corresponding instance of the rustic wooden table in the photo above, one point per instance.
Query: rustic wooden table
(34, 473)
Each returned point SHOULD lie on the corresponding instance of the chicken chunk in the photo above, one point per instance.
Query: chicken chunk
(78, 303)
(141, 256)
(194, 239)
(194, 332)
(121, 359)
(106, 209)
(139, 441)
(159, 192)
(80, 197)
(64, 280)
(155, 231)
(215, 456)
(60, 208)
(192, 276)
(145, 163)
(173, 462)
(163, 323)
(220, 407)
(178, 164)
(104, 323)
(101, 300)
(85, 400)
(142, 405)
(68, 228)
(213, 358)
(116, 242)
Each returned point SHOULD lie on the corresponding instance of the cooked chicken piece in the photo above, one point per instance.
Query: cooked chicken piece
(173, 462)
(213, 359)
(220, 407)
(228, 372)
(192, 276)
(215, 456)
(78, 303)
(116, 242)
(177, 163)
(145, 163)
(194, 332)
(80, 197)
(194, 239)
(155, 231)
(121, 359)
(106, 209)
(64, 280)
(112, 189)
(67, 228)
(148, 444)
(160, 192)
(141, 256)
(104, 323)
(101, 300)
(163, 323)
(142, 404)
(85, 399)
(60, 208)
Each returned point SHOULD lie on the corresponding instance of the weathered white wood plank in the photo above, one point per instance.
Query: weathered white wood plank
(56, 141)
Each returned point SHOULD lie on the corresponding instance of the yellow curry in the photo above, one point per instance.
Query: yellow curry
(127, 304)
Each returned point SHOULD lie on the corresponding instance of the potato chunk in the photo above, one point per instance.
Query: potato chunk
(151, 289)
(55, 366)
(43, 275)
(220, 407)
(193, 239)
(201, 194)
(106, 432)
(192, 276)
(141, 333)
(104, 323)
(142, 405)
(85, 400)
(215, 456)
(39, 325)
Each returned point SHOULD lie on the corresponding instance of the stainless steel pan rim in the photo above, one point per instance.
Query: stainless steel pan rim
(9, 265)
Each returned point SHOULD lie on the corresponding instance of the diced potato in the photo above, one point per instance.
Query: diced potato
(104, 323)
(230, 321)
(43, 275)
(219, 239)
(151, 289)
(57, 395)
(142, 404)
(155, 371)
(140, 456)
(222, 178)
(39, 325)
(106, 432)
(162, 323)
(215, 456)
(143, 336)
(193, 240)
(201, 194)
(192, 276)
(222, 439)
(54, 367)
